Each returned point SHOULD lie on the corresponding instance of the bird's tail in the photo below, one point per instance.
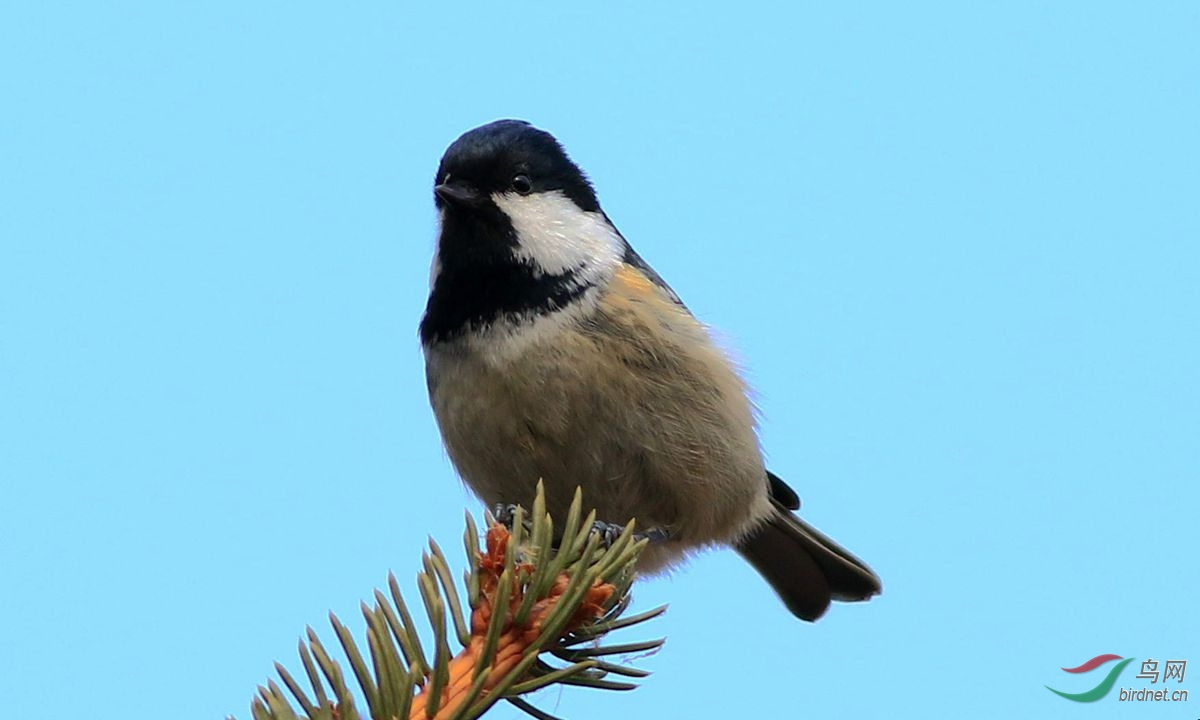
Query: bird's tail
(806, 568)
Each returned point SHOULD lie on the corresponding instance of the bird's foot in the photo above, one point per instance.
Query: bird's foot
(609, 533)
(653, 535)
(505, 514)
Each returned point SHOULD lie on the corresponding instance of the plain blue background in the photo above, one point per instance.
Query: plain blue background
(956, 247)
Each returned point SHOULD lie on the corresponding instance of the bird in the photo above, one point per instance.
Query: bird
(555, 353)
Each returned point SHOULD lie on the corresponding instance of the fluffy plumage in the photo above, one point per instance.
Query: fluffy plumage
(554, 352)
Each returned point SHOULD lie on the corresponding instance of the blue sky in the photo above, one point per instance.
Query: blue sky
(956, 248)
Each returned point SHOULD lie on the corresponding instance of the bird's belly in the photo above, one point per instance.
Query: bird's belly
(658, 439)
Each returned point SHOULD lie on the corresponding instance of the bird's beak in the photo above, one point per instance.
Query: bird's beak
(457, 194)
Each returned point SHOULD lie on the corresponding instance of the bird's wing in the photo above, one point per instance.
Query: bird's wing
(632, 259)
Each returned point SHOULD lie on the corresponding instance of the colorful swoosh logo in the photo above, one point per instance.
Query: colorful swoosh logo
(1093, 663)
(1105, 685)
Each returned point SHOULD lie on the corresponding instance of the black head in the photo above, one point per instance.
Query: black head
(508, 156)
(521, 234)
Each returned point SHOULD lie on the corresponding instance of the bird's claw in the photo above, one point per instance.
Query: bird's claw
(504, 513)
(653, 535)
(609, 533)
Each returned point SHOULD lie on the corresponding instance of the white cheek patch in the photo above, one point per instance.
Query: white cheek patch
(555, 236)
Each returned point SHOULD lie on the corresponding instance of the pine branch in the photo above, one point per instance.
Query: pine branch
(533, 604)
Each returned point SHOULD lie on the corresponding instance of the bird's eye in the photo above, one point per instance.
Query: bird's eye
(522, 184)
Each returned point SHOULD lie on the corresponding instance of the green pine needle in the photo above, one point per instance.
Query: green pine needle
(396, 669)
